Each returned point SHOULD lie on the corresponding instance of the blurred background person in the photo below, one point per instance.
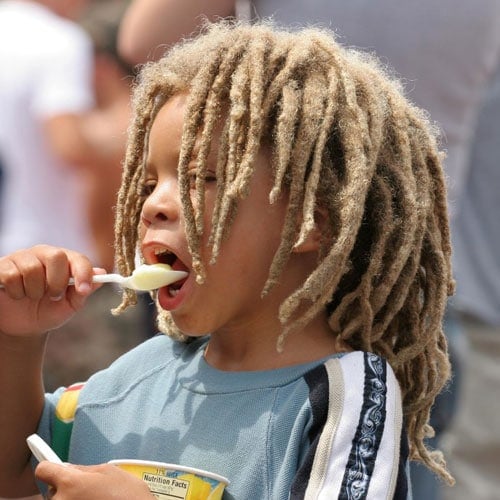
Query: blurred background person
(109, 119)
(45, 86)
(65, 108)
(473, 442)
(150, 26)
(445, 51)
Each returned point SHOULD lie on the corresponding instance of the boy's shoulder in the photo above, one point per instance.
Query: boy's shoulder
(360, 363)
(352, 382)
(135, 366)
(365, 372)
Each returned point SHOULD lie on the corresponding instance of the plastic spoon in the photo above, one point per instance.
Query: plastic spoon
(41, 450)
(143, 278)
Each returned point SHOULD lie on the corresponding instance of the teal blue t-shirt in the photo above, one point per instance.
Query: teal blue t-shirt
(274, 434)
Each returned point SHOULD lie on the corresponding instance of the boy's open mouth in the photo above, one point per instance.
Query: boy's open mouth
(165, 256)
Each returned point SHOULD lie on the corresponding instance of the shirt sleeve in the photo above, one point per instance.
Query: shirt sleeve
(45, 423)
(65, 84)
(359, 451)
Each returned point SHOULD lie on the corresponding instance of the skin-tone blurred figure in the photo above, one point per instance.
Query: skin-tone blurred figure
(110, 119)
(74, 137)
(148, 28)
(113, 98)
(53, 132)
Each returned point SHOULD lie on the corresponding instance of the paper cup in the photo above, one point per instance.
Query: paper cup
(175, 482)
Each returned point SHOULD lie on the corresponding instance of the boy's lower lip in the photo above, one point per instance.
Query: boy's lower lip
(169, 302)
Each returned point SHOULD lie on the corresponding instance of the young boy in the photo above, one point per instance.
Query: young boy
(304, 195)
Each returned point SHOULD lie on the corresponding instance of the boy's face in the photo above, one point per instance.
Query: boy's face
(230, 298)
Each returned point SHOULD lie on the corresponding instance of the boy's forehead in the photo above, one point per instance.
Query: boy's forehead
(168, 126)
(166, 135)
(171, 112)
(166, 130)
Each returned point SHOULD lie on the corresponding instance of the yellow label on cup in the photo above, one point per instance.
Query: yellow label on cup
(175, 482)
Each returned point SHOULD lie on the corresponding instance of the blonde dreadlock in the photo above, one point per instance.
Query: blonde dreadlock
(344, 139)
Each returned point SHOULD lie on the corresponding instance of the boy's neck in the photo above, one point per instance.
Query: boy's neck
(238, 352)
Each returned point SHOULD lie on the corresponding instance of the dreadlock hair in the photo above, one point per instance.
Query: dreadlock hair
(343, 138)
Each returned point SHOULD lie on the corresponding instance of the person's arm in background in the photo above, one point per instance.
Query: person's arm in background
(78, 130)
(86, 139)
(149, 26)
(108, 123)
(92, 143)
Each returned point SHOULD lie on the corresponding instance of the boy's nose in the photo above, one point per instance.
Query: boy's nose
(161, 206)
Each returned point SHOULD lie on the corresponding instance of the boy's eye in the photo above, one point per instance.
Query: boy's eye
(209, 177)
(146, 189)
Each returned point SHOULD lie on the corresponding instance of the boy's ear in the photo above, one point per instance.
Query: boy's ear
(312, 242)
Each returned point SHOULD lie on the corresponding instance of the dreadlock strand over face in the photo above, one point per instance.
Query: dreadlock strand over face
(343, 142)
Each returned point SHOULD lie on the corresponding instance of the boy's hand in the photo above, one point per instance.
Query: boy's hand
(98, 482)
(36, 297)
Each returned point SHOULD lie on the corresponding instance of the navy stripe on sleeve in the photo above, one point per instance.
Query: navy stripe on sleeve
(401, 491)
(317, 380)
(361, 461)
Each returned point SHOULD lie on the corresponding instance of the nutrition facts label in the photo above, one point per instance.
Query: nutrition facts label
(167, 488)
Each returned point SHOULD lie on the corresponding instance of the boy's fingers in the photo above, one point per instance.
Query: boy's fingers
(11, 278)
(33, 277)
(52, 473)
(23, 275)
(82, 272)
(56, 474)
(60, 266)
(56, 266)
(45, 270)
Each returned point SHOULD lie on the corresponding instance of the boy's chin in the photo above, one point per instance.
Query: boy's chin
(190, 331)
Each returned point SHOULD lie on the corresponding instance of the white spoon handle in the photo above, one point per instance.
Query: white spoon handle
(98, 278)
(103, 278)
(41, 450)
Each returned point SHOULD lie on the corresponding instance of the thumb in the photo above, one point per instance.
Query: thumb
(51, 473)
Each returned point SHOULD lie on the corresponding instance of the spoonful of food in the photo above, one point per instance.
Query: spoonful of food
(143, 278)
